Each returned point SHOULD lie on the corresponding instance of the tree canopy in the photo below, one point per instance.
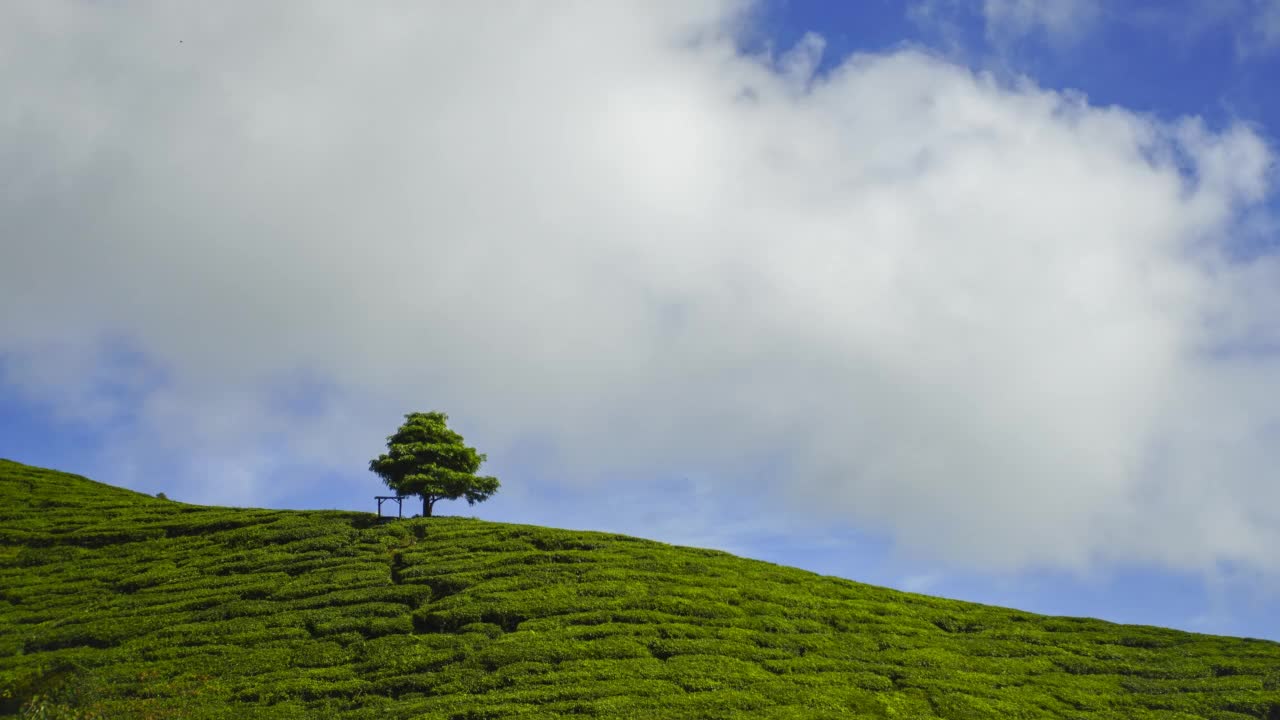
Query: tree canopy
(425, 458)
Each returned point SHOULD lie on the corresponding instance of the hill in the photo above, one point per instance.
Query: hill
(115, 604)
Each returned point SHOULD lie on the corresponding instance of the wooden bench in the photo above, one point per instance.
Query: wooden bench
(399, 505)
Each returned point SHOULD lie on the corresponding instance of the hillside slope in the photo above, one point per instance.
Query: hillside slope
(130, 606)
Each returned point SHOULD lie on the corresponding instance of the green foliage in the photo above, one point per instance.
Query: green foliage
(181, 611)
(425, 458)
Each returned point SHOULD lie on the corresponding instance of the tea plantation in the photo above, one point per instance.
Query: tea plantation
(120, 605)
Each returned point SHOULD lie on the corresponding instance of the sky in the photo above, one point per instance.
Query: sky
(972, 299)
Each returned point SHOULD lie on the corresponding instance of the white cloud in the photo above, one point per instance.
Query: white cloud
(1253, 25)
(985, 320)
(1260, 34)
(1061, 22)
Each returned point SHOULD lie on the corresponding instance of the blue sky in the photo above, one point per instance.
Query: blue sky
(973, 299)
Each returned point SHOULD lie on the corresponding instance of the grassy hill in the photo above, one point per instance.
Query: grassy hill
(115, 604)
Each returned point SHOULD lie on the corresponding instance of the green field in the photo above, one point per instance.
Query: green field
(115, 604)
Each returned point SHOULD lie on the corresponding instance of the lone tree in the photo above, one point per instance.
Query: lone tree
(428, 459)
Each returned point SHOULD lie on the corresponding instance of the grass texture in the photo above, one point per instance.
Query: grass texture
(115, 605)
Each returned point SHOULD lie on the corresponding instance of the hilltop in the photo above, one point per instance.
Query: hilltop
(129, 606)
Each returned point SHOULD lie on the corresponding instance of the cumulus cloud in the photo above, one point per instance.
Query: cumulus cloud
(991, 321)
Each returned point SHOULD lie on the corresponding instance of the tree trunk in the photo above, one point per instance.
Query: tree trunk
(426, 506)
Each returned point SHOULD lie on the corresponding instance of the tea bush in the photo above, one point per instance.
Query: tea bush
(116, 604)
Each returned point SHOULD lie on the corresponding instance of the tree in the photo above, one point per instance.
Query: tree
(427, 459)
